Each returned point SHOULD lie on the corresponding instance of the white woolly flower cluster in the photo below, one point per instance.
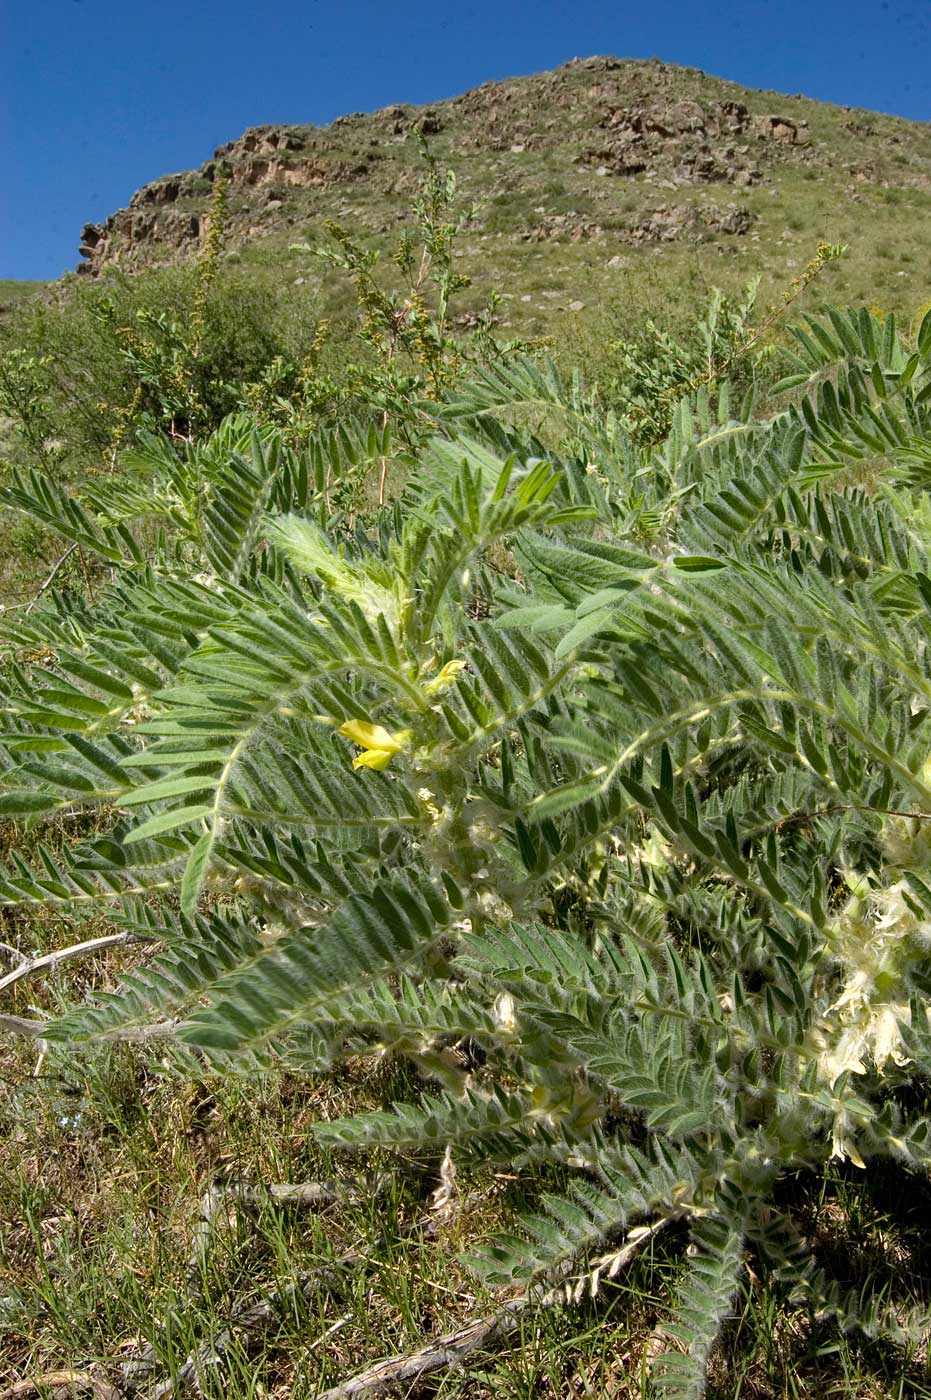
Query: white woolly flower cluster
(494, 909)
(307, 546)
(876, 939)
(504, 1012)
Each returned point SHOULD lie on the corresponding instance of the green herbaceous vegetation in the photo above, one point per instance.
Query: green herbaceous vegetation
(509, 794)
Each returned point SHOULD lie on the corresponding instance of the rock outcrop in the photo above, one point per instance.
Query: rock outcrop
(603, 134)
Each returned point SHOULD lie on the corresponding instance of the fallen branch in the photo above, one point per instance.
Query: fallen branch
(453, 1348)
(22, 1025)
(232, 1193)
(91, 945)
(442, 1354)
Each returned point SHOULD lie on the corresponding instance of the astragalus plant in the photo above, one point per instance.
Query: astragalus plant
(595, 782)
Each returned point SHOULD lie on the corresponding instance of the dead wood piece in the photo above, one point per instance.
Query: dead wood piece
(91, 945)
(440, 1355)
(226, 1196)
(305, 1193)
(67, 1383)
(23, 1025)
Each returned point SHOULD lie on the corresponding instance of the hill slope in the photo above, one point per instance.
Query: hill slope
(582, 172)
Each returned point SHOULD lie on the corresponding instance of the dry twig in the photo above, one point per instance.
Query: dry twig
(22, 1025)
(229, 1194)
(90, 945)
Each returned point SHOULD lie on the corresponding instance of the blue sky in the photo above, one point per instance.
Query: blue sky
(99, 96)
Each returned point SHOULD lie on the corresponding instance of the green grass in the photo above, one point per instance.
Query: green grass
(13, 293)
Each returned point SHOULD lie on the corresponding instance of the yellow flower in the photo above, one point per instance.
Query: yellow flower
(378, 745)
(445, 678)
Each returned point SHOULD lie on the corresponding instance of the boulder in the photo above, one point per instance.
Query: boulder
(672, 222)
(428, 124)
(780, 129)
(164, 191)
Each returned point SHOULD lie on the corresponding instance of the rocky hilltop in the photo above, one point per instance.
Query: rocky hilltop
(644, 152)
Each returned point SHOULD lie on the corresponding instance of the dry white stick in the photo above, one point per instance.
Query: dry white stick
(21, 1025)
(57, 1380)
(306, 1193)
(227, 1194)
(337, 1326)
(442, 1354)
(91, 945)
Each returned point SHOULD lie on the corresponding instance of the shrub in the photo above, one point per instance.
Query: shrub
(613, 821)
(115, 355)
(177, 350)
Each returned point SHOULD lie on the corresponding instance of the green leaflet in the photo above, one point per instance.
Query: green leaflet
(167, 821)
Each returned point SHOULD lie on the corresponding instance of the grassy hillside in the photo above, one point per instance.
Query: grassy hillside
(603, 193)
(596, 183)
